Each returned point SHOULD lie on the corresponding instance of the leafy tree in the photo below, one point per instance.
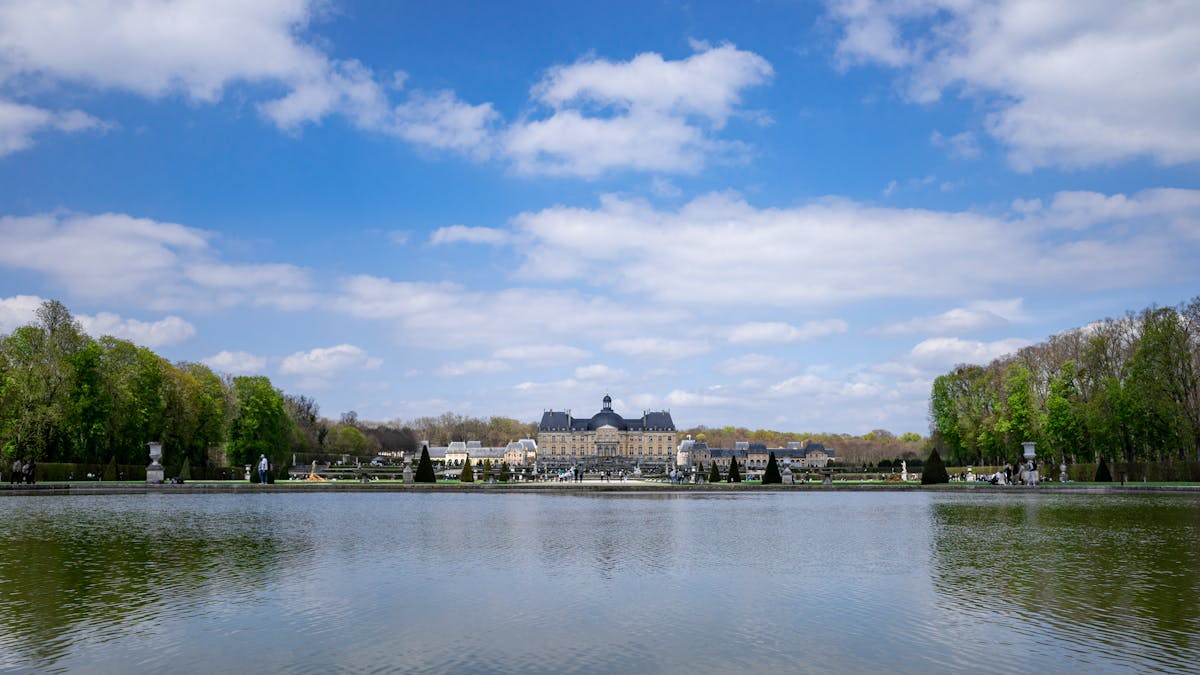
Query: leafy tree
(714, 476)
(771, 474)
(468, 474)
(425, 468)
(734, 475)
(1103, 475)
(934, 471)
(346, 439)
(258, 429)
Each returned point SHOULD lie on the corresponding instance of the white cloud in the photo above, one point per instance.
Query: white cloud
(790, 257)
(236, 363)
(962, 145)
(325, 362)
(942, 353)
(1074, 84)
(471, 235)
(472, 367)
(749, 364)
(515, 316)
(542, 354)
(166, 331)
(19, 123)
(657, 348)
(444, 122)
(979, 315)
(648, 113)
(779, 332)
(116, 257)
(17, 311)
(599, 371)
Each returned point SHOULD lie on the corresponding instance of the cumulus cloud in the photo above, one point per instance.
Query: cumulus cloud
(17, 311)
(1071, 84)
(980, 315)
(117, 257)
(749, 364)
(779, 332)
(599, 371)
(942, 353)
(236, 363)
(667, 255)
(328, 361)
(19, 123)
(470, 235)
(657, 348)
(166, 331)
(459, 313)
(201, 49)
(472, 367)
(962, 145)
(542, 354)
(648, 113)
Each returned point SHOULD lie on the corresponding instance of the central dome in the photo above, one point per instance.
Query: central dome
(607, 417)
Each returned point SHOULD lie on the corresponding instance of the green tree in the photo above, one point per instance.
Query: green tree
(487, 468)
(425, 468)
(771, 474)
(714, 476)
(346, 439)
(468, 473)
(505, 472)
(258, 429)
(185, 471)
(934, 471)
(734, 475)
(1064, 421)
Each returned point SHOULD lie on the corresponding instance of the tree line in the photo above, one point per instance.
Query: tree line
(1124, 389)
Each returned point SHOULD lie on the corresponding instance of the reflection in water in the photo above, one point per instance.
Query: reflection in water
(459, 582)
(1098, 581)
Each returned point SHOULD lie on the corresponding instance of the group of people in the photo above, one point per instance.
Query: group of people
(23, 472)
(1025, 473)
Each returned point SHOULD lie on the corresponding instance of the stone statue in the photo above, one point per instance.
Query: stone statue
(903, 470)
(1062, 472)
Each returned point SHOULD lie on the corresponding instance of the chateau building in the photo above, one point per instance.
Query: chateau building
(606, 437)
(753, 456)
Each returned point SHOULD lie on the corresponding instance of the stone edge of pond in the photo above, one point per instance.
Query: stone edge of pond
(47, 489)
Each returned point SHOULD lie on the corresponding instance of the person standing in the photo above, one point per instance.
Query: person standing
(263, 467)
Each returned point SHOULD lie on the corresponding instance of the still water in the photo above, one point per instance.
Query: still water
(819, 582)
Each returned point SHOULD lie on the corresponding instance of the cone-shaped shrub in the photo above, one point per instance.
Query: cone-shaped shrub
(185, 471)
(934, 471)
(734, 475)
(425, 468)
(714, 476)
(487, 469)
(110, 470)
(468, 474)
(772, 475)
(505, 472)
(1103, 475)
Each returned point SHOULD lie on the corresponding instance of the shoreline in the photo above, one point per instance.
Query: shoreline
(239, 487)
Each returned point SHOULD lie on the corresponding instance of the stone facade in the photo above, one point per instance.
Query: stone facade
(606, 437)
(753, 457)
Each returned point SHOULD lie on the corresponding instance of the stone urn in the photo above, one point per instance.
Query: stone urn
(155, 471)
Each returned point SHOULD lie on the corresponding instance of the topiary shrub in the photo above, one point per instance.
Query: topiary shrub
(935, 470)
(505, 472)
(1103, 475)
(468, 474)
(425, 468)
(487, 469)
(185, 471)
(110, 469)
(771, 474)
(714, 476)
(734, 475)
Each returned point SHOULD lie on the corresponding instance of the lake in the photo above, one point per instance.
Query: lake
(612, 582)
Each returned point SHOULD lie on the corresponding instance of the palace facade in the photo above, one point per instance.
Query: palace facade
(606, 437)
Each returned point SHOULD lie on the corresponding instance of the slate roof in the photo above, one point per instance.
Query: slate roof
(561, 420)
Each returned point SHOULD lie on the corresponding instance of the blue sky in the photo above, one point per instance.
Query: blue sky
(787, 215)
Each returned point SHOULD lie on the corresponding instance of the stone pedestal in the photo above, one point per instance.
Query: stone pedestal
(408, 472)
(155, 473)
(828, 477)
(788, 478)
